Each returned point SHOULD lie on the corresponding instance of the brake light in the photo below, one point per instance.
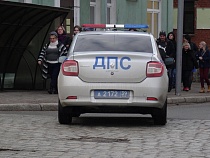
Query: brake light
(154, 69)
(70, 68)
(152, 99)
(72, 97)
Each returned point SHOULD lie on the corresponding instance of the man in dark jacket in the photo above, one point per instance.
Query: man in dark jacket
(166, 48)
(193, 46)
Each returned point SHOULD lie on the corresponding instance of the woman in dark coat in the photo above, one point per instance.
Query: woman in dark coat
(172, 68)
(203, 56)
(188, 63)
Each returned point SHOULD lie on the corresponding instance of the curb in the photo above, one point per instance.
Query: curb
(191, 99)
(29, 107)
(54, 107)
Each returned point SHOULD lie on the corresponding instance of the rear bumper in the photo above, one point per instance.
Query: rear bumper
(139, 92)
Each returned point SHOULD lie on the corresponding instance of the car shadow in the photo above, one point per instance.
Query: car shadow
(113, 121)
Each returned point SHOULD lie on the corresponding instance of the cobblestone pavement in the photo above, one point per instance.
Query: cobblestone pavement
(42, 136)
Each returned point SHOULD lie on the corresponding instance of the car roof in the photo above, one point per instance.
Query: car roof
(115, 32)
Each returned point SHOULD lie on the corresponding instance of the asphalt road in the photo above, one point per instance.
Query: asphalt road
(191, 111)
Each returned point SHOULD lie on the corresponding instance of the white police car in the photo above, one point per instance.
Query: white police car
(112, 72)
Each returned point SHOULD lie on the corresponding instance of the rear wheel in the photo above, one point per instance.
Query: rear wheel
(160, 115)
(63, 115)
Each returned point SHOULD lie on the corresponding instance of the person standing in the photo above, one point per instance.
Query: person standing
(49, 59)
(194, 48)
(62, 36)
(77, 29)
(162, 44)
(172, 72)
(165, 47)
(203, 56)
(188, 63)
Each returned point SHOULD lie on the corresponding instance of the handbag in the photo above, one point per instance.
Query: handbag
(169, 61)
(61, 59)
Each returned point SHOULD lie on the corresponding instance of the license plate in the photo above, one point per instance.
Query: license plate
(111, 94)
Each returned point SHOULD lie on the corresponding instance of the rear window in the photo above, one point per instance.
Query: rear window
(113, 42)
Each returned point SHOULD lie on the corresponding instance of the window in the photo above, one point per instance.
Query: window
(92, 14)
(95, 11)
(189, 16)
(153, 16)
(111, 42)
(92, 11)
(111, 11)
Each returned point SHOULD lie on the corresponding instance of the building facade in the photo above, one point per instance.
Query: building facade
(156, 13)
(196, 20)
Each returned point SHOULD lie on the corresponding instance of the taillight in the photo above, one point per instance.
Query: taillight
(152, 99)
(70, 68)
(154, 69)
(71, 97)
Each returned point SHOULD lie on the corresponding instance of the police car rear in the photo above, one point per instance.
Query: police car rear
(112, 72)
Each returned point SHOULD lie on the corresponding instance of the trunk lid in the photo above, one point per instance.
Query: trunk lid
(112, 66)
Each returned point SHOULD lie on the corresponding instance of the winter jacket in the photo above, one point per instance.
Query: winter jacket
(42, 57)
(173, 52)
(205, 62)
(65, 39)
(189, 61)
(165, 48)
(193, 47)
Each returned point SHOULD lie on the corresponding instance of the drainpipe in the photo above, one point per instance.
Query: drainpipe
(76, 12)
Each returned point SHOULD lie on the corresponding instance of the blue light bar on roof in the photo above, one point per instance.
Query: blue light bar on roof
(125, 26)
(136, 26)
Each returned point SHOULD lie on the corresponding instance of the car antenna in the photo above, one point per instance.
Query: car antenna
(115, 28)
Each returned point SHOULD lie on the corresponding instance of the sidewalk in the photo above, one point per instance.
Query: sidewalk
(192, 96)
(11, 100)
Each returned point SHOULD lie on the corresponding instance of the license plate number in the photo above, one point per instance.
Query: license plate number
(111, 94)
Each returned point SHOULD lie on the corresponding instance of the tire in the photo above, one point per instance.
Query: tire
(63, 115)
(160, 115)
(75, 115)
